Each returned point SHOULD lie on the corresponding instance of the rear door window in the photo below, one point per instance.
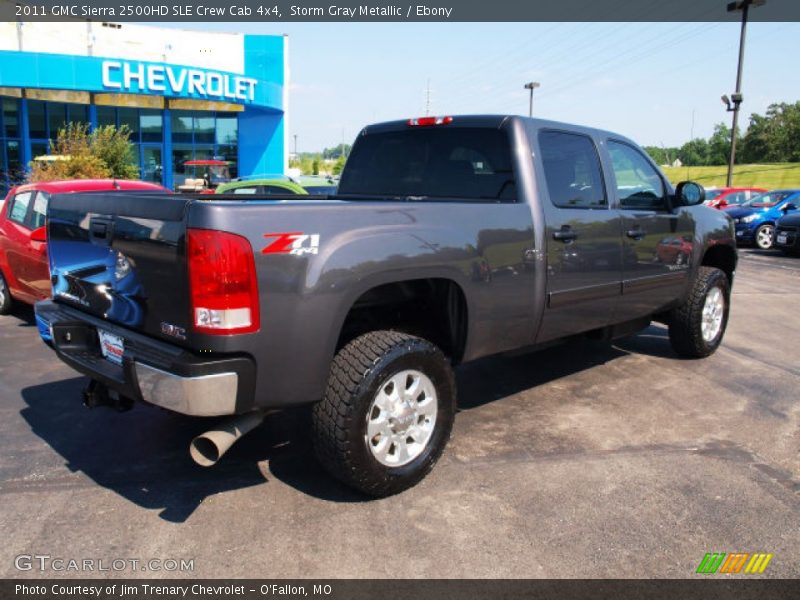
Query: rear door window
(437, 162)
(18, 211)
(572, 170)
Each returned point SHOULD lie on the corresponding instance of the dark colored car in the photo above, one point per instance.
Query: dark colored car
(787, 233)
(755, 220)
(449, 239)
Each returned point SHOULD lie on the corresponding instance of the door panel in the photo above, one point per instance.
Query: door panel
(658, 243)
(583, 244)
(18, 240)
(38, 267)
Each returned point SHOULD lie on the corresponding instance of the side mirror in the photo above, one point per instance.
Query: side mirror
(789, 206)
(39, 235)
(690, 193)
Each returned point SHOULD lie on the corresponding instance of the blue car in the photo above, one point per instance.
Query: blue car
(755, 220)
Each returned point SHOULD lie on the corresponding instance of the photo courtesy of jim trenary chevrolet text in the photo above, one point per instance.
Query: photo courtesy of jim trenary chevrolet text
(432, 299)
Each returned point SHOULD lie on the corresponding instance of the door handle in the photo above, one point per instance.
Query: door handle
(565, 234)
(636, 233)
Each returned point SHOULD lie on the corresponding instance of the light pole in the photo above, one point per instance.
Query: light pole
(736, 97)
(532, 85)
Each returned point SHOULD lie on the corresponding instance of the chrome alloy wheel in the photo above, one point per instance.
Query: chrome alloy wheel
(401, 418)
(713, 311)
(3, 291)
(764, 236)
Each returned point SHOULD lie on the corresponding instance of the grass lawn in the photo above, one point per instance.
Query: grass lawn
(771, 176)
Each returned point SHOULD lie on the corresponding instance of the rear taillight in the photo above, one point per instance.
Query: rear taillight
(427, 121)
(222, 280)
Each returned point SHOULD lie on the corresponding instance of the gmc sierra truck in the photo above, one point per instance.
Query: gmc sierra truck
(449, 239)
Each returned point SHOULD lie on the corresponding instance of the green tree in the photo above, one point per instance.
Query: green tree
(774, 137)
(79, 154)
(113, 147)
(338, 165)
(719, 145)
(72, 157)
(694, 153)
(662, 155)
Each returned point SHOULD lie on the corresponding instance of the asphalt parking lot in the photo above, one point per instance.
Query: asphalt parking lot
(586, 460)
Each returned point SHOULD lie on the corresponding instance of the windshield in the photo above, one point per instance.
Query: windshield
(431, 162)
(767, 199)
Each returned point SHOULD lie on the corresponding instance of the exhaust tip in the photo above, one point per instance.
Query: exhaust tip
(204, 451)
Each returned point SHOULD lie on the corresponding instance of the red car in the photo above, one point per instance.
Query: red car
(24, 269)
(733, 196)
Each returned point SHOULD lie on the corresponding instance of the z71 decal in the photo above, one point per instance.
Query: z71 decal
(296, 243)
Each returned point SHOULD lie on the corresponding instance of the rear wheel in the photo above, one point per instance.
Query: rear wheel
(387, 412)
(6, 301)
(765, 236)
(696, 327)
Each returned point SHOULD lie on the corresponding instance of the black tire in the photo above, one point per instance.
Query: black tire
(685, 321)
(763, 229)
(6, 301)
(339, 422)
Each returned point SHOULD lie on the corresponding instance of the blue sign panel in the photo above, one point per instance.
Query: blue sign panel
(95, 74)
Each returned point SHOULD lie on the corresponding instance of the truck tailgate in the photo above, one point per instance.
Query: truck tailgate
(121, 256)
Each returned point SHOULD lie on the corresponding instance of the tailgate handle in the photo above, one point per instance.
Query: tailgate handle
(100, 231)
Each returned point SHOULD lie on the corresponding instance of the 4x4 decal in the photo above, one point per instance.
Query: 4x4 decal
(297, 243)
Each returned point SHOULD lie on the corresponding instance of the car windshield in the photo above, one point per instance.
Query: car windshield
(767, 199)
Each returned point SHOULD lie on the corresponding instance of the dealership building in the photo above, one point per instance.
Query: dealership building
(185, 95)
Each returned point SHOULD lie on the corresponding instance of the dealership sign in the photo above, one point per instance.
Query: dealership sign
(153, 78)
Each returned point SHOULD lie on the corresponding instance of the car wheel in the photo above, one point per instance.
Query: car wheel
(387, 412)
(765, 236)
(696, 327)
(6, 302)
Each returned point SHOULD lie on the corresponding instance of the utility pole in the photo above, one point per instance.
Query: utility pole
(532, 85)
(295, 145)
(736, 97)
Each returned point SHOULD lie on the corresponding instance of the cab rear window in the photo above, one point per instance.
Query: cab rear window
(432, 163)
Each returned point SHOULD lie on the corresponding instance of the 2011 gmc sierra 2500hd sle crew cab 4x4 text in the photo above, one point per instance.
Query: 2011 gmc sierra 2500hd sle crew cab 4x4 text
(449, 239)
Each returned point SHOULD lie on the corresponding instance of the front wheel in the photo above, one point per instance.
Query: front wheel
(765, 236)
(387, 412)
(696, 327)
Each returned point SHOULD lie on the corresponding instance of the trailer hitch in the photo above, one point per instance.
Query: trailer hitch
(98, 394)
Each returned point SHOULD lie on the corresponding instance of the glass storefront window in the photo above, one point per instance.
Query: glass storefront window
(14, 166)
(152, 169)
(204, 129)
(10, 117)
(36, 120)
(106, 115)
(151, 124)
(130, 117)
(78, 113)
(56, 118)
(182, 126)
(180, 154)
(39, 149)
(227, 129)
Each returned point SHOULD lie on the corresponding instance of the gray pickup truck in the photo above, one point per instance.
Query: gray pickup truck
(449, 239)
